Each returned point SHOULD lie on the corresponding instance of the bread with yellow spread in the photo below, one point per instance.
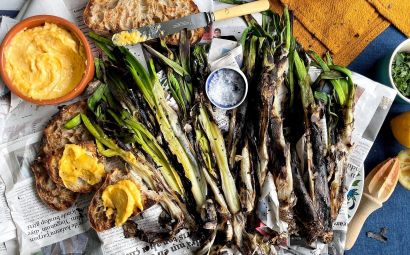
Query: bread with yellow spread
(51, 188)
(112, 16)
(102, 217)
(57, 140)
(53, 166)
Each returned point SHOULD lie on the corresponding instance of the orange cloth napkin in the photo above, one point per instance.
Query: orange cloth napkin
(396, 11)
(342, 27)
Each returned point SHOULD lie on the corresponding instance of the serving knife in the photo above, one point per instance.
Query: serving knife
(202, 19)
(378, 187)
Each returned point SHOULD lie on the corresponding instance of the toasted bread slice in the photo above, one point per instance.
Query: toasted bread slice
(96, 211)
(112, 16)
(56, 196)
(52, 166)
(56, 136)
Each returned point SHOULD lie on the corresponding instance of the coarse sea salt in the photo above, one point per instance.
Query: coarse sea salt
(226, 87)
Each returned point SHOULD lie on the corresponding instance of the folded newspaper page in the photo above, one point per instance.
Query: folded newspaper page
(7, 228)
(28, 226)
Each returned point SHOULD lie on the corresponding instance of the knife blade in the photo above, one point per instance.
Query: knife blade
(191, 22)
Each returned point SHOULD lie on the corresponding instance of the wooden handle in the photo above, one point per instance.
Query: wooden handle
(367, 205)
(243, 9)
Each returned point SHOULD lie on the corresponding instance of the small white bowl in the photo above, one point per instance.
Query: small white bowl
(403, 47)
(226, 106)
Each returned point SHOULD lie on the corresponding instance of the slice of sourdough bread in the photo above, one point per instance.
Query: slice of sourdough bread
(112, 16)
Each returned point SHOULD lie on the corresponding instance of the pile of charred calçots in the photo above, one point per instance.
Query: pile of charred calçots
(277, 170)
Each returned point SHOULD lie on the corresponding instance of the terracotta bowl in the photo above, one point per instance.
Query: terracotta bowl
(40, 20)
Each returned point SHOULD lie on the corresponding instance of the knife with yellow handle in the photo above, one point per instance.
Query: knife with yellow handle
(202, 19)
(378, 187)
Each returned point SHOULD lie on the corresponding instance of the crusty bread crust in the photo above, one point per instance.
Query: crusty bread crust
(51, 165)
(96, 211)
(56, 196)
(111, 16)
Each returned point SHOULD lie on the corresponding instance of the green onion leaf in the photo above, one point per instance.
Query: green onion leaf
(74, 122)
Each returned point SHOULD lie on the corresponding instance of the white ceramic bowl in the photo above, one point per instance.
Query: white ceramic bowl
(226, 107)
(403, 47)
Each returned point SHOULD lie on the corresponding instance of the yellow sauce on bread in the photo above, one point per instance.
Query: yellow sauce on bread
(45, 62)
(78, 163)
(123, 197)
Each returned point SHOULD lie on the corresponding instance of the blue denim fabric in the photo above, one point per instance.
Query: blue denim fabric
(395, 213)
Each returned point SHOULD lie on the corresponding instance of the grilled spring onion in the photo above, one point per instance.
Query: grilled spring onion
(185, 59)
(265, 93)
(247, 191)
(279, 150)
(307, 99)
(174, 206)
(343, 87)
(175, 86)
(213, 181)
(315, 145)
(207, 158)
(199, 64)
(167, 119)
(341, 80)
(123, 118)
(236, 133)
(178, 74)
(210, 219)
(217, 145)
(269, 43)
(250, 56)
(204, 150)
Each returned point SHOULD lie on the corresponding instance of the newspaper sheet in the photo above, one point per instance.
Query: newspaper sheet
(3, 249)
(28, 226)
(7, 228)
